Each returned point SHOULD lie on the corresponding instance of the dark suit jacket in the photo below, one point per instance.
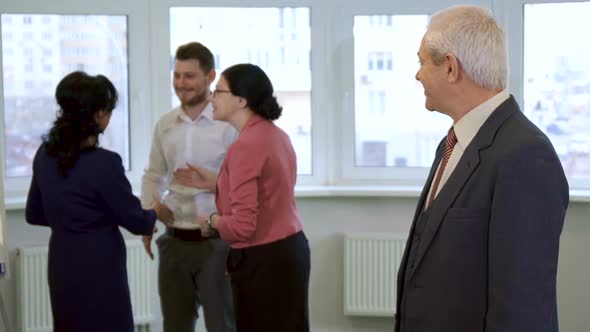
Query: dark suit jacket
(487, 259)
(87, 264)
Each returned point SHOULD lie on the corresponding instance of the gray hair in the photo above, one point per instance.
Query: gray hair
(474, 37)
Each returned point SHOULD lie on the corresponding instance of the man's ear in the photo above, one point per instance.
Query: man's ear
(212, 75)
(453, 67)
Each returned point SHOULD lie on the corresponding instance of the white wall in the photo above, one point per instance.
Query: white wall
(326, 219)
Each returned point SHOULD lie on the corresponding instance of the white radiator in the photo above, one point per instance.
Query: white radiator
(33, 292)
(371, 262)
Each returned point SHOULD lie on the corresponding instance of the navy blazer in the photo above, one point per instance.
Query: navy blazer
(487, 259)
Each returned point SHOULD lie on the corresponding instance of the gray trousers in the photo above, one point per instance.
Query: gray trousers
(191, 274)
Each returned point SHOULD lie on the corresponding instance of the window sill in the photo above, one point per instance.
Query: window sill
(578, 196)
(391, 191)
(15, 203)
(18, 203)
(357, 191)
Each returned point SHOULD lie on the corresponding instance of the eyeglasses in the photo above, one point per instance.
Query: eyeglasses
(216, 91)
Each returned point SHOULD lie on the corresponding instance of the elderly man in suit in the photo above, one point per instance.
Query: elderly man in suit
(483, 247)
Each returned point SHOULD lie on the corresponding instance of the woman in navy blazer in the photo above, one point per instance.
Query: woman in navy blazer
(80, 191)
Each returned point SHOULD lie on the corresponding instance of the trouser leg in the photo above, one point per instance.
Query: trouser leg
(177, 282)
(270, 286)
(215, 290)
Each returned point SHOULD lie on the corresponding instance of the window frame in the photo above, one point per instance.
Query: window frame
(161, 86)
(332, 99)
(511, 15)
(16, 188)
(350, 174)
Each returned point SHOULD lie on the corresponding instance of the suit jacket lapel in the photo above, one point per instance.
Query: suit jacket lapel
(426, 189)
(402, 270)
(466, 166)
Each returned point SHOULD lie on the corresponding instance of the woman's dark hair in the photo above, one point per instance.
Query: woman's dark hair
(79, 96)
(251, 83)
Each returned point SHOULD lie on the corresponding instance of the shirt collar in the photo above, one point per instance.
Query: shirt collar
(178, 116)
(468, 126)
(206, 114)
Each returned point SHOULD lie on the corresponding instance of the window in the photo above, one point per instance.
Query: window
(377, 102)
(281, 18)
(380, 61)
(255, 37)
(556, 85)
(28, 111)
(369, 122)
(380, 20)
(392, 128)
(217, 61)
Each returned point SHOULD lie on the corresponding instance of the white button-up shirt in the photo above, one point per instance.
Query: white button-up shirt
(179, 140)
(465, 129)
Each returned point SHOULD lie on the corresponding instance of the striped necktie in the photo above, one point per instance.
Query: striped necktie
(450, 144)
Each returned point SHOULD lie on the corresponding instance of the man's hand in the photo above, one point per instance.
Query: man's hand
(147, 243)
(196, 177)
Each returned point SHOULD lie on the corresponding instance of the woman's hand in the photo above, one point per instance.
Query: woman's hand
(196, 177)
(147, 243)
(206, 229)
(208, 224)
(164, 214)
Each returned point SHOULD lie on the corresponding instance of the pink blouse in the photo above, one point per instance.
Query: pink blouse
(255, 189)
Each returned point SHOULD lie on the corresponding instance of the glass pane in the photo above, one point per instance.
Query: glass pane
(392, 127)
(37, 52)
(557, 79)
(1, 227)
(276, 39)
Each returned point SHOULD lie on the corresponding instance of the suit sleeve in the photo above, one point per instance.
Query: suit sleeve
(528, 209)
(115, 191)
(244, 167)
(34, 211)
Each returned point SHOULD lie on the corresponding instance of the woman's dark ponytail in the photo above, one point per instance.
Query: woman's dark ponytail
(79, 96)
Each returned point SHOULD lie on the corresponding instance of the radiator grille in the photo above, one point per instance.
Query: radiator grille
(371, 262)
(33, 291)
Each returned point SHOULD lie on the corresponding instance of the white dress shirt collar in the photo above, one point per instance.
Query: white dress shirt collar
(180, 115)
(468, 126)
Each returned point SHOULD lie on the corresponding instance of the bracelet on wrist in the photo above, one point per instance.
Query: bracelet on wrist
(210, 220)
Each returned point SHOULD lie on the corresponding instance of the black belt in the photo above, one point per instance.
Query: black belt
(189, 234)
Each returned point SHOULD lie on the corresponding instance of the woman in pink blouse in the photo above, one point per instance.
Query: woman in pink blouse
(269, 259)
